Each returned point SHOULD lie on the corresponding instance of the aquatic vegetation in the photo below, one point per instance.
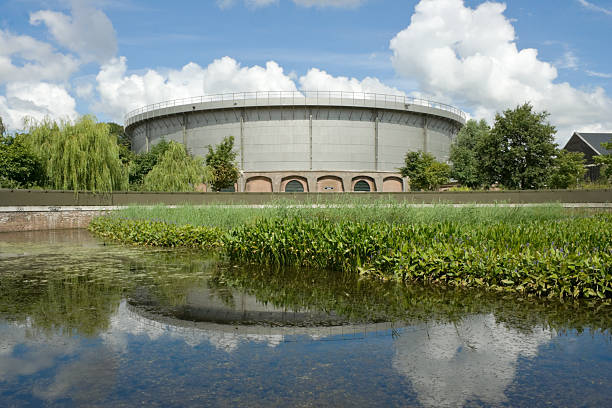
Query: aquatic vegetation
(541, 251)
(156, 233)
(359, 299)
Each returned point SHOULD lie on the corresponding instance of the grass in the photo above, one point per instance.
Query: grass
(390, 212)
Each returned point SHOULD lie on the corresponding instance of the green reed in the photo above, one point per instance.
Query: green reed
(340, 209)
(541, 250)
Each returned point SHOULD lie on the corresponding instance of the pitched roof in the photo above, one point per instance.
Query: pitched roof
(596, 139)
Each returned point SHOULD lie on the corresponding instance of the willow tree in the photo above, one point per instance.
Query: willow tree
(78, 156)
(177, 171)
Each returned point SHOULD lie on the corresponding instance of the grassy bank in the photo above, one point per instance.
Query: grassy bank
(540, 250)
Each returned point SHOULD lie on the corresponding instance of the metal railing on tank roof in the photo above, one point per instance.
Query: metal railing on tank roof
(298, 98)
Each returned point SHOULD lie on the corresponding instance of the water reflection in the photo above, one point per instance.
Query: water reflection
(475, 359)
(129, 321)
(81, 375)
(80, 320)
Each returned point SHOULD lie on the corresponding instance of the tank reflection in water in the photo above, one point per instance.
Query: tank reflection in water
(83, 323)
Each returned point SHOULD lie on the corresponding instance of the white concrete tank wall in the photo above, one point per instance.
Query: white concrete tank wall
(342, 145)
(276, 145)
(305, 138)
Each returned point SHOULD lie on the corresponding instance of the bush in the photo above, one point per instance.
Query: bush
(424, 172)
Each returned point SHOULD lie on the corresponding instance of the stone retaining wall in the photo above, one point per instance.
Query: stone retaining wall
(47, 218)
(45, 198)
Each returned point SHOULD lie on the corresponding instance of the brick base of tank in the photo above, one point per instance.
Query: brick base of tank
(321, 181)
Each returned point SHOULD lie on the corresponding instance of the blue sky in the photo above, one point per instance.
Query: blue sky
(63, 58)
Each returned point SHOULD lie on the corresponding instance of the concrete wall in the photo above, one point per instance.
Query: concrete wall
(28, 198)
(305, 138)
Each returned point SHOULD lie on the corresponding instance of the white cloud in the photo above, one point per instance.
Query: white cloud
(594, 7)
(120, 93)
(37, 100)
(260, 3)
(36, 74)
(85, 90)
(38, 60)
(317, 79)
(599, 74)
(470, 56)
(224, 4)
(87, 31)
(568, 61)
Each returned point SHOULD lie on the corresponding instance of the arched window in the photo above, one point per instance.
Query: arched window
(294, 186)
(362, 185)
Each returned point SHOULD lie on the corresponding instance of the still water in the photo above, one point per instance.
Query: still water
(84, 323)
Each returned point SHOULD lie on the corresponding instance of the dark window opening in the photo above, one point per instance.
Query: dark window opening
(362, 186)
(294, 186)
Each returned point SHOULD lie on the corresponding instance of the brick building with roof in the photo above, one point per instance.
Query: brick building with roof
(591, 145)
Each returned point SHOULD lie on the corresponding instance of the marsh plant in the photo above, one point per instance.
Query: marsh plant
(539, 250)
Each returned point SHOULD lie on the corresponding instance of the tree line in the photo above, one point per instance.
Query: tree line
(87, 155)
(518, 152)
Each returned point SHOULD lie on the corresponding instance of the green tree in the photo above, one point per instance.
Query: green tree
(222, 162)
(141, 164)
(424, 172)
(568, 169)
(464, 154)
(19, 165)
(177, 171)
(519, 151)
(119, 132)
(124, 142)
(2, 128)
(78, 156)
(606, 162)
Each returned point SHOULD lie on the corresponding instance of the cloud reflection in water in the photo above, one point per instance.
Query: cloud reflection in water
(450, 364)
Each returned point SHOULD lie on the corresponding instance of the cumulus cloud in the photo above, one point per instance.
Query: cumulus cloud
(37, 60)
(87, 31)
(316, 79)
(36, 75)
(36, 100)
(120, 92)
(470, 56)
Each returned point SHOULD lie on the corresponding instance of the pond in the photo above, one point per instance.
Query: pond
(88, 323)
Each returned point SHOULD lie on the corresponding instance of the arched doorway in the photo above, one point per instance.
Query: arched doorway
(259, 185)
(392, 185)
(294, 186)
(329, 184)
(362, 186)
